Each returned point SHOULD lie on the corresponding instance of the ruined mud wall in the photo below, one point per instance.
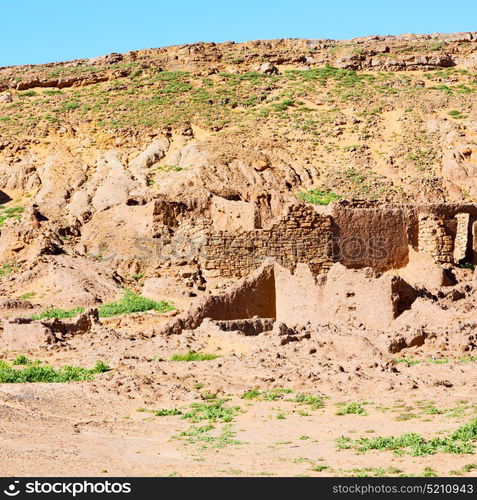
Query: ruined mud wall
(370, 234)
(364, 297)
(341, 296)
(298, 294)
(228, 215)
(251, 296)
(301, 235)
(374, 236)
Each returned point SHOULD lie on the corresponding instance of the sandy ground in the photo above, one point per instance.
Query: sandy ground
(107, 427)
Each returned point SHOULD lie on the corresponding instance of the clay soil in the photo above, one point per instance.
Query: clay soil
(108, 426)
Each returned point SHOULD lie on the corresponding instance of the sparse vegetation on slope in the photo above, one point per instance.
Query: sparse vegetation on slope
(130, 303)
(322, 196)
(194, 356)
(58, 313)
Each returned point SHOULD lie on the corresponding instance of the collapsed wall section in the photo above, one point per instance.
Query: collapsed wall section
(341, 296)
(300, 235)
(298, 294)
(251, 296)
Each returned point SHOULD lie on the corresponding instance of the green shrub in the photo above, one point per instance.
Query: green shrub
(307, 399)
(21, 359)
(10, 213)
(454, 113)
(5, 269)
(271, 395)
(214, 411)
(167, 412)
(58, 313)
(352, 409)
(459, 442)
(193, 356)
(101, 367)
(71, 105)
(132, 302)
(408, 361)
(35, 372)
(252, 394)
(323, 196)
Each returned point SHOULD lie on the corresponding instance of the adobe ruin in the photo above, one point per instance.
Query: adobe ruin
(358, 234)
(349, 262)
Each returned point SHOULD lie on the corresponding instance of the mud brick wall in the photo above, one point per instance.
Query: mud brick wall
(229, 215)
(436, 238)
(373, 236)
(300, 235)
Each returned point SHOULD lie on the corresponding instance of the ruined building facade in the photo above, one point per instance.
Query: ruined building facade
(358, 234)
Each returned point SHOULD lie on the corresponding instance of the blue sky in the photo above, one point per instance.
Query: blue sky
(33, 31)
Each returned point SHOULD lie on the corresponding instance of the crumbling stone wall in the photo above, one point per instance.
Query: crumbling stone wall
(357, 234)
(436, 238)
(300, 235)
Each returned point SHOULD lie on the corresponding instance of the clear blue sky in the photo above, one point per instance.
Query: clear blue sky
(35, 31)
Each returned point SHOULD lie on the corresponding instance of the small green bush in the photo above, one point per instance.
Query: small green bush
(167, 412)
(352, 409)
(21, 359)
(214, 411)
(5, 269)
(271, 395)
(193, 356)
(35, 372)
(307, 399)
(252, 394)
(10, 213)
(323, 196)
(58, 313)
(454, 113)
(132, 302)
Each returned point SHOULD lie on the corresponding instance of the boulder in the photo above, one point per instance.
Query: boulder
(267, 68)
(6, 98)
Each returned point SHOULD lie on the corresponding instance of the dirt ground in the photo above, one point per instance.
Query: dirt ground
(108, 426)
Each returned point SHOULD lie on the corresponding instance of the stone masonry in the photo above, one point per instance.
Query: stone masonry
(435, 239)
(300, 235)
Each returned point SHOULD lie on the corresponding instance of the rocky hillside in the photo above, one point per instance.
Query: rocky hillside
(376, 117)
(87, 147)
